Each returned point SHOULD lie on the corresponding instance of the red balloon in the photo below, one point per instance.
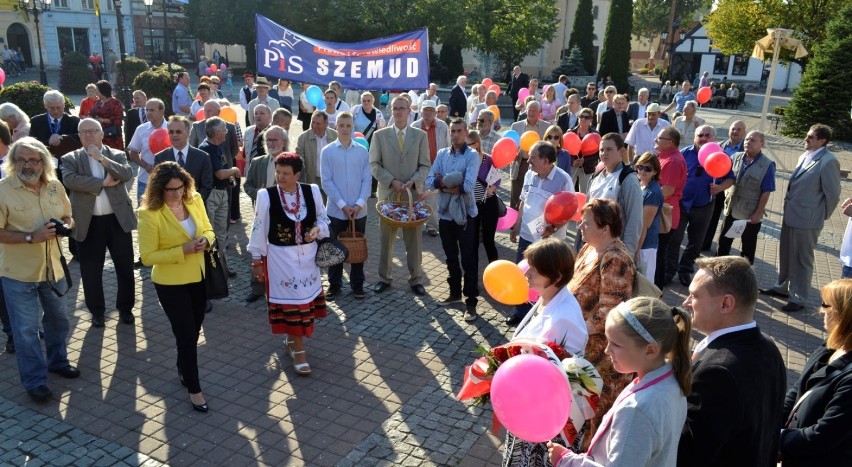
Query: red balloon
(704, 94)
(199, 116)
(487, 82)
(159, 140)
(357, 134)
(571, 143)
(717, 165)
(581, 201)
(504, 152)
(560, 207)
(495, 88)
(590, 144)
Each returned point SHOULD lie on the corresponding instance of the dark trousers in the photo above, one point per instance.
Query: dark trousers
(693, 224)
(518, 184)
(4, 314)
(486, 222)
(356, 272)
(749, 240)
(718, 207)
(660, 279)
(184, 305)
(235, 201)
(105, 233)
(524, 308)
(461, 239)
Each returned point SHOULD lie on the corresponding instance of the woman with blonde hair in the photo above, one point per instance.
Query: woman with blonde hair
(651, 339)
(564, 161)
(549, 105)
(648, 170)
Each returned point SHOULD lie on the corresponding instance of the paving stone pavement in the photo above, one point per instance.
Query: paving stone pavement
(385, 370)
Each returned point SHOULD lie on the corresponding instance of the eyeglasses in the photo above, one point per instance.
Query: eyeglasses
(553, 137)
(644, 168)
(89, 132)
(174, 190)
(28, 162)
(610, 92)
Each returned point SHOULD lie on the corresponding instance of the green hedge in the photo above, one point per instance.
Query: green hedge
(75, 73)
(29, 96)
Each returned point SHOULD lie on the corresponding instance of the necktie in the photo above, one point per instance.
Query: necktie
(142, 117)
(181, 160)
(54, 129)
(399, 136)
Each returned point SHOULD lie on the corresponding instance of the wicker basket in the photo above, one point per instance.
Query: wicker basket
(403, 224)
(355, 242)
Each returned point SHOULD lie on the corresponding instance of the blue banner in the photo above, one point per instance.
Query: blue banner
(395, 62)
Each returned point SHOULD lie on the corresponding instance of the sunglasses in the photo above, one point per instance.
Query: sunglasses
(610, 92)
(825, 306)
(644, 168)
(553, 137)
(586, 117)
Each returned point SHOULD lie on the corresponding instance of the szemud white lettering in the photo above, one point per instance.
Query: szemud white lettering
(395, 68)
(322, 67)
(375, 69)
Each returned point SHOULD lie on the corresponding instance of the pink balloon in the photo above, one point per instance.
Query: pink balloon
(487, 82)
(525, 266)
(706, 150)
(495, 88)
(508, 221)
(2, 77)
(531, 398)
(523, 94)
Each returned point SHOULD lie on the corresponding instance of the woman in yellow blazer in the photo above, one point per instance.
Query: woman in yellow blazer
(174, 231)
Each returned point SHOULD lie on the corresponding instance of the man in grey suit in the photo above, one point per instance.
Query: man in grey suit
(399, 159)
(230, 148)
(104, 219)
(311, 143)
(194, 160)
(812, 195)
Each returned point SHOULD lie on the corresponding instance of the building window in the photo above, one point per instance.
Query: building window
(60, 3)
(73, 40)
(88, 4)
(740, 65)
(720, 67)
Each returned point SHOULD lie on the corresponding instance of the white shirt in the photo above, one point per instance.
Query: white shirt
(641, 136)
(560, 321)
(139, 143)
(321, 144)
(719, 333)
(605, 186)
(102, 206)
(642, 109)
(185, 151)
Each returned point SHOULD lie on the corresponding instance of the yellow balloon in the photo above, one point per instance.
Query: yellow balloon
(227, 114)
(505, 282)
(496, 111)
(528, 139)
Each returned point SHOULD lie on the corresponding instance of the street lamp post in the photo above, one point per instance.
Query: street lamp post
(149, 10)
(123, 87)
(37, 7)
(166, 40)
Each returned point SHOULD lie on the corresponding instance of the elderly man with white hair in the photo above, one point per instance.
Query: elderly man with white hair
(431, 94)
(458, 98)
(639, 109)
(56, 129)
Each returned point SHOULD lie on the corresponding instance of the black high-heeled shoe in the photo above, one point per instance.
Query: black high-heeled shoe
(203, 408)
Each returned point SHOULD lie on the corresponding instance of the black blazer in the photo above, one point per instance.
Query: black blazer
(132, 120)
(609, 122)
(734, 409)
(197, 164)
(516, 84)
(564, 122)
(820, 431)
(458, 103)
(69, 137)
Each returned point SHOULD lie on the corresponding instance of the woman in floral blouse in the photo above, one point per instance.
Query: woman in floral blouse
(603, 278)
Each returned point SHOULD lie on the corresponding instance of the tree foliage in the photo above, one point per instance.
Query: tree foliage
(583, 35)
(651, 17)
(736, 25)
(615, 56)
(75, 73)
(572, 65)
(824, 94)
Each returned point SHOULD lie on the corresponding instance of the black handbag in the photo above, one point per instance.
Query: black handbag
(51, 276)
(215, 275)
(111, 131)
(501, 206)
(330, 253)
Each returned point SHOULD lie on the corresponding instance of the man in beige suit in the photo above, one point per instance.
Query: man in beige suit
(104, 219)
(311, 144)
(399, 159)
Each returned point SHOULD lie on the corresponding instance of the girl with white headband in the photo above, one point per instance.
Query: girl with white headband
(647, 337)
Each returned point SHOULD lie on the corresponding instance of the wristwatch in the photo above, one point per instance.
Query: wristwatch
(28, 237)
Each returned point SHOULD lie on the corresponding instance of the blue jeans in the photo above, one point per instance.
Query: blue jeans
(140, 190)
(22, 301)
(846, 272)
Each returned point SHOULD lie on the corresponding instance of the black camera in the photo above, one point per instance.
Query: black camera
(61, 230)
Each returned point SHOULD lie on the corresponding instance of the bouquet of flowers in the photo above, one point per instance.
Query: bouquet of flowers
(584, 380)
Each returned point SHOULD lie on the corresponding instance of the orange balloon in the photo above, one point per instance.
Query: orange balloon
(505, 282)
(703, 95)
(504, 152)
(199, 116)
(495, 88)
(528, 139)
(228, 114)
(581, 201)
(487, 82)
(496, 111)
(571, 143)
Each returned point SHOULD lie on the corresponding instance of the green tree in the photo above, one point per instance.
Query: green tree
(572, 65)
(615, 56)
(824, 93)
(511, 29)
(583, 35)
(735, 25)
(451, 59)
(651, 17)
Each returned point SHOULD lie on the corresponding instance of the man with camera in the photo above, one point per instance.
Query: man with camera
(31, 201)
(103, 213)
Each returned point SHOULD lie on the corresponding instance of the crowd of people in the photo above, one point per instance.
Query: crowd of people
(645, 186)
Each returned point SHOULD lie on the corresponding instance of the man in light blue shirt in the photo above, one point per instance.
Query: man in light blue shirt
(181, 97)
(346, 180)
(453, 174)
(681, 98)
